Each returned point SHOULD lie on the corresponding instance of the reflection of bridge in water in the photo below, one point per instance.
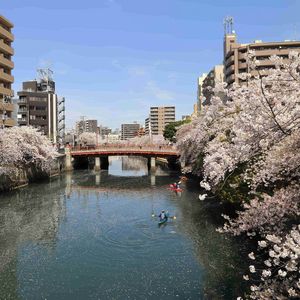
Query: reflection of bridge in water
(101, 154)
(111, 183)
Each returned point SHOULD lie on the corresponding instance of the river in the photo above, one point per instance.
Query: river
(87, 235)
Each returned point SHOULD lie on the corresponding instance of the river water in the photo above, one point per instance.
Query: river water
(88, 235)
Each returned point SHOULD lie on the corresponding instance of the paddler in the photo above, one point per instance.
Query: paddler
(177, 185)
(163, 215)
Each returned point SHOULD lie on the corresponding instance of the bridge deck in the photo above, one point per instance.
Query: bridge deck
(121, 150)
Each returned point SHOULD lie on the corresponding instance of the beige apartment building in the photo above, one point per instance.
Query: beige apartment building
(235, 55)
(6, 78)
(159, 117)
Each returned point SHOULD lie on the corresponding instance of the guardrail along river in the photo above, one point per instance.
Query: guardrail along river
(88, 235)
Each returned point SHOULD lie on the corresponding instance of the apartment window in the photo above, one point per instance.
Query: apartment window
(40, 108)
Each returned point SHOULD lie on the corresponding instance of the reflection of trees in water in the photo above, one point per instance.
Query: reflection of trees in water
(217, 253)
(30, 214)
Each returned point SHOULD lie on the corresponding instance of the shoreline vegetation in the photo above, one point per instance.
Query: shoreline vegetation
(26, 155)
(245, 147)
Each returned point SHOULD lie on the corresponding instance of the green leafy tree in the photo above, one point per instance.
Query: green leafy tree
(171, 129)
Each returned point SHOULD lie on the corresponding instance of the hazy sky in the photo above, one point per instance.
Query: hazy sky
(113, 59)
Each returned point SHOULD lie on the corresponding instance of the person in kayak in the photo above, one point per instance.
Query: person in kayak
(177, 184)
(163, 215)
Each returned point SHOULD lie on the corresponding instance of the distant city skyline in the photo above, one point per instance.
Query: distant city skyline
(113, 59)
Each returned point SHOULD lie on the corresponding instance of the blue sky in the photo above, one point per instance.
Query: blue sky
(113, 59)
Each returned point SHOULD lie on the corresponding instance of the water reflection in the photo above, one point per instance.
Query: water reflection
(26, 217)
(90, 235)
(128, 166)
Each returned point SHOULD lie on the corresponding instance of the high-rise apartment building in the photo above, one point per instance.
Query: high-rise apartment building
(129, 131)
(6, 78)
(159, 117)
(40, 107)
(91, 126)
(147, 126)
(235, 56)
(86, 126)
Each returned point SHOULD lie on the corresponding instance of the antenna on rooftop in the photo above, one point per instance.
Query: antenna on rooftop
(228, 25)
(45, 74)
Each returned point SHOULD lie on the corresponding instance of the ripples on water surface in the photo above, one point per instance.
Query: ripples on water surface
(91, 236)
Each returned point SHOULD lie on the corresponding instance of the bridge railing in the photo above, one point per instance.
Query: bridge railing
(125, 147)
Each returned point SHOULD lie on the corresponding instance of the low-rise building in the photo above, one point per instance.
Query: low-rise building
(104, 131)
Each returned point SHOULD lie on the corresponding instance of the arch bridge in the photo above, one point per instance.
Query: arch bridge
(102, 152)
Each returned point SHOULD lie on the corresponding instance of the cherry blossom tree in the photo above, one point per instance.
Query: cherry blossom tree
(253, 137)
(87, 138)
(148, 140)
(24, 146)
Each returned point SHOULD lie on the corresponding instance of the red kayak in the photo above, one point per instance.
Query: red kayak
(174, 188)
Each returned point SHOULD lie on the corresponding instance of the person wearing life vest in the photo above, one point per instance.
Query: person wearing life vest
(163, 215)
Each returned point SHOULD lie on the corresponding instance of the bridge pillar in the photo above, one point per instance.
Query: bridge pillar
(68, 160)
(153, 179)
(101, 163)
(97, 164)
(152, 163)
(98, 178)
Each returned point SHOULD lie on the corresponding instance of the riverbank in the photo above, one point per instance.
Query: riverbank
(21, 177)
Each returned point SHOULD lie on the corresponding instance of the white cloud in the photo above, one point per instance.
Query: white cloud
(137, 71)
(159, 93)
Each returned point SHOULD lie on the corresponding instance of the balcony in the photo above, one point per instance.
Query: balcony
(6, 106)
(6, 34)
(6, 77)
(267, 63)
(6, 49)
(229, 60)
(6, 62)
(22, 101)
(243, 65)
(242, 56)
(229, 70)
(8, 122)
(6, 92)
